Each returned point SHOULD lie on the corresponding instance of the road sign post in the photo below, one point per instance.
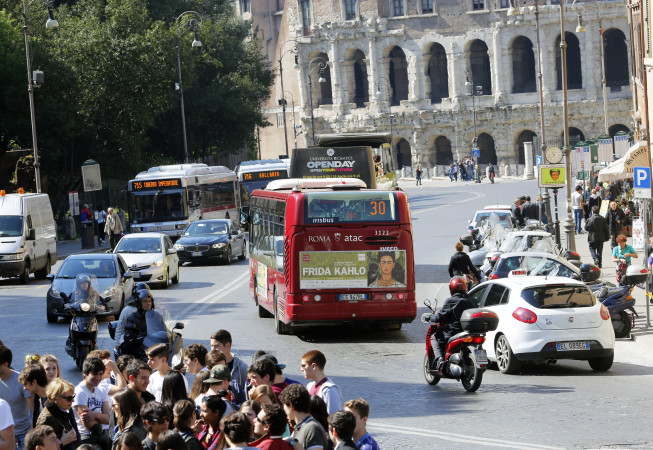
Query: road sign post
(642, 190)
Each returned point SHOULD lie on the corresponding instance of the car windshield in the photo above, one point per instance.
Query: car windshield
(558, 296)
(139, 245)
(522, 243)
(206, 228)
(11, 226)
(534, 265)
(493, 218)
(101, 268)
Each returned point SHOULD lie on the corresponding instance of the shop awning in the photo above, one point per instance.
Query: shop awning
(621, 169)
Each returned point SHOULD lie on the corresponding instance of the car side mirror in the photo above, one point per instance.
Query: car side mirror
(50, 277)
(179, 325)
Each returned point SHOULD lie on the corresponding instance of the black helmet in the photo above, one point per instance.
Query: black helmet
(142, 294)
(458, 284)
(140, 285)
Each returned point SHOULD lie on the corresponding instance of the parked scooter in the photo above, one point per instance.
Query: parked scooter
(464, 350)
(619, 300)
(82, 305)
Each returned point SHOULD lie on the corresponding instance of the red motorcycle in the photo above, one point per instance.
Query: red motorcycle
(464, 357)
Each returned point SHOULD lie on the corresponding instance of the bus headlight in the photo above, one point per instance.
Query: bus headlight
(220, 245)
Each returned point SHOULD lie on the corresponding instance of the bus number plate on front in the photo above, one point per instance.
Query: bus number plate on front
(353, 296)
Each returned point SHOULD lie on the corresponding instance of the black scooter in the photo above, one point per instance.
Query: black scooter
(82, 334)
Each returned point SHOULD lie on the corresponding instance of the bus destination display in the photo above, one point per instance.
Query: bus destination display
(169, 183)
(266, 175)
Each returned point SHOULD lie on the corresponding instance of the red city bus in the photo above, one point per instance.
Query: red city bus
(325, 251)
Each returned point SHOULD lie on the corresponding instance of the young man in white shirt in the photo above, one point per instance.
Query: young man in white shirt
(313, 363)
(92, 405)
(7, 438)
(157, 359)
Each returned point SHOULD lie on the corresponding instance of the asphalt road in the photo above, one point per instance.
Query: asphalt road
(564, 405)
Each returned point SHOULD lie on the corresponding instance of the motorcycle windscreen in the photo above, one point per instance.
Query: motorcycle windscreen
(157, 333)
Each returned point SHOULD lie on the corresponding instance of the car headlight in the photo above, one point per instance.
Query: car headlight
(220, 245)
(179, 247)
(55, 292)
(108, 292)
(158, 263)
(12, 256)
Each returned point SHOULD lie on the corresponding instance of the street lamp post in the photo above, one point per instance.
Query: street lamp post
(51, 23)
(193, 23)
(320, 66)
(294, 123)
(282, 102)
(474, 91)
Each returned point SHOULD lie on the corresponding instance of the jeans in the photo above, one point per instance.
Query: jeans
(578, 217)
(20, 441)
(596, 250)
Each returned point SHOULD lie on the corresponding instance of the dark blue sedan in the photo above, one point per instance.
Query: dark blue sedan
(211, 239)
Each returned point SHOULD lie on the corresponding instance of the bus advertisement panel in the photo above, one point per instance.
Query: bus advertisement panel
(330, 255)
(357, 269)
(334, 162)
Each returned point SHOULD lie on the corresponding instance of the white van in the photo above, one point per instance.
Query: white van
(28, 236)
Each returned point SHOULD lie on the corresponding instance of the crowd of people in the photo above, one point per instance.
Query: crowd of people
(130, 404)
(462, 170)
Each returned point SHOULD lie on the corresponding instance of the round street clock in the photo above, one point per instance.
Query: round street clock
(553, 155)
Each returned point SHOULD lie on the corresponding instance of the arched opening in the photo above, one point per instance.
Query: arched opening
(356, 78)
(523, 65)
(403, 154)
(437, 73)
(398, 74)
(524, 136)
(616, 128)
(321, 92)
(575, 135)
(486, 147)
(615, 52)
(443, 153)
(479, 64)
(574, 73)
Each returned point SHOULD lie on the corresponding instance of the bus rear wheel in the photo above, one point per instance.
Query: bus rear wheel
(279, 326)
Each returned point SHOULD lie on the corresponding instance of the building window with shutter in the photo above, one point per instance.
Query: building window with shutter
(478, 5)
(305, 8)
(350, 9)
(398, 8)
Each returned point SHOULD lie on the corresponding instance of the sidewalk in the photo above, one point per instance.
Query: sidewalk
(640, 332)
(67, 248)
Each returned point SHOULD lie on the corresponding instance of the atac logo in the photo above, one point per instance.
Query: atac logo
(319, 239)
(337, 236)
(353, 238)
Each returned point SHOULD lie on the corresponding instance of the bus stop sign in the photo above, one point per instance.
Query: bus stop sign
(476, 153)
(642, 182)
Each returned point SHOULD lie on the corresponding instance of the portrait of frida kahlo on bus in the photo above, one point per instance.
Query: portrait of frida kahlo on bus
(386, 271)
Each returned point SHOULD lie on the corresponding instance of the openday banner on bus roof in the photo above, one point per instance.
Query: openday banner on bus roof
(356, 269)
(343, 162)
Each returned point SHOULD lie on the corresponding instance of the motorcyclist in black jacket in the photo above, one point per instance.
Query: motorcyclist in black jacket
(134, 324)
(449, 318)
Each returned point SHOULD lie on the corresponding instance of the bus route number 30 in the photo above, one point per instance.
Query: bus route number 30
(377, 208)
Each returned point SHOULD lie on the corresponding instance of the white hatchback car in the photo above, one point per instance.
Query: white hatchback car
(150, 257)
(545, 318)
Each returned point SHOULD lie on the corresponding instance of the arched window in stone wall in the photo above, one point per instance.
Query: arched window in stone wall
(574, 72)
(523, 65)
(356, 77)
(478, 60)
(443, 154)
(617, 127)
(398, 75)
(403, 154)
(615, 52)
(524, 136)
(486, 146)
(575, 135)
(322, 94)
(437, 73)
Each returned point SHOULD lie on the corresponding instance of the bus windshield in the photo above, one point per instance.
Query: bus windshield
(158, 206)
(11, 225)
(350, 207)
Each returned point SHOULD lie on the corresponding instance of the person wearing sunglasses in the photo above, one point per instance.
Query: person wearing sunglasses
(58, 413)
(156, 417)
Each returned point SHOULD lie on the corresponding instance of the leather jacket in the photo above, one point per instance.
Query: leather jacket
(461, 264)
(449, 316)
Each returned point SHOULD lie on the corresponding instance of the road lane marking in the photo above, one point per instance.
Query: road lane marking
(17, 288)
(453, 437)
(474, 196)
(214, 296)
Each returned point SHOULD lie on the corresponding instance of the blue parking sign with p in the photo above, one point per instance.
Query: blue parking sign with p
(642, 177)
(538, 160)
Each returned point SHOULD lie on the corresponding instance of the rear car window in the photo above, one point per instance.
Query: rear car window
(558, 296)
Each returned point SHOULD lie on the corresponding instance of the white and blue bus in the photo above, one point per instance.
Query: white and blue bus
(257, 174)
(166, 199)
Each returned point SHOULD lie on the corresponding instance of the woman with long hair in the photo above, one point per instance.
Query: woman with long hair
(199, 387)
(129, 441)
(58, 413)
(174, 389)
(251, 408)
(51, 366)
(185, 414)
(127, 407)
(213, 408)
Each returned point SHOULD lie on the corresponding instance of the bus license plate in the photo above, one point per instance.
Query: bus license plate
(567, 346)
(195, 253)
(353, 296)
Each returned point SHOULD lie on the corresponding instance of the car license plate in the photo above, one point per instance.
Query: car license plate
(195, 253)
(567, 346)
(136, 274)
(481, 357)
(353, 296)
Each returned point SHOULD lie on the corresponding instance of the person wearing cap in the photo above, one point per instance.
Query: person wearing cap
(218, 380)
